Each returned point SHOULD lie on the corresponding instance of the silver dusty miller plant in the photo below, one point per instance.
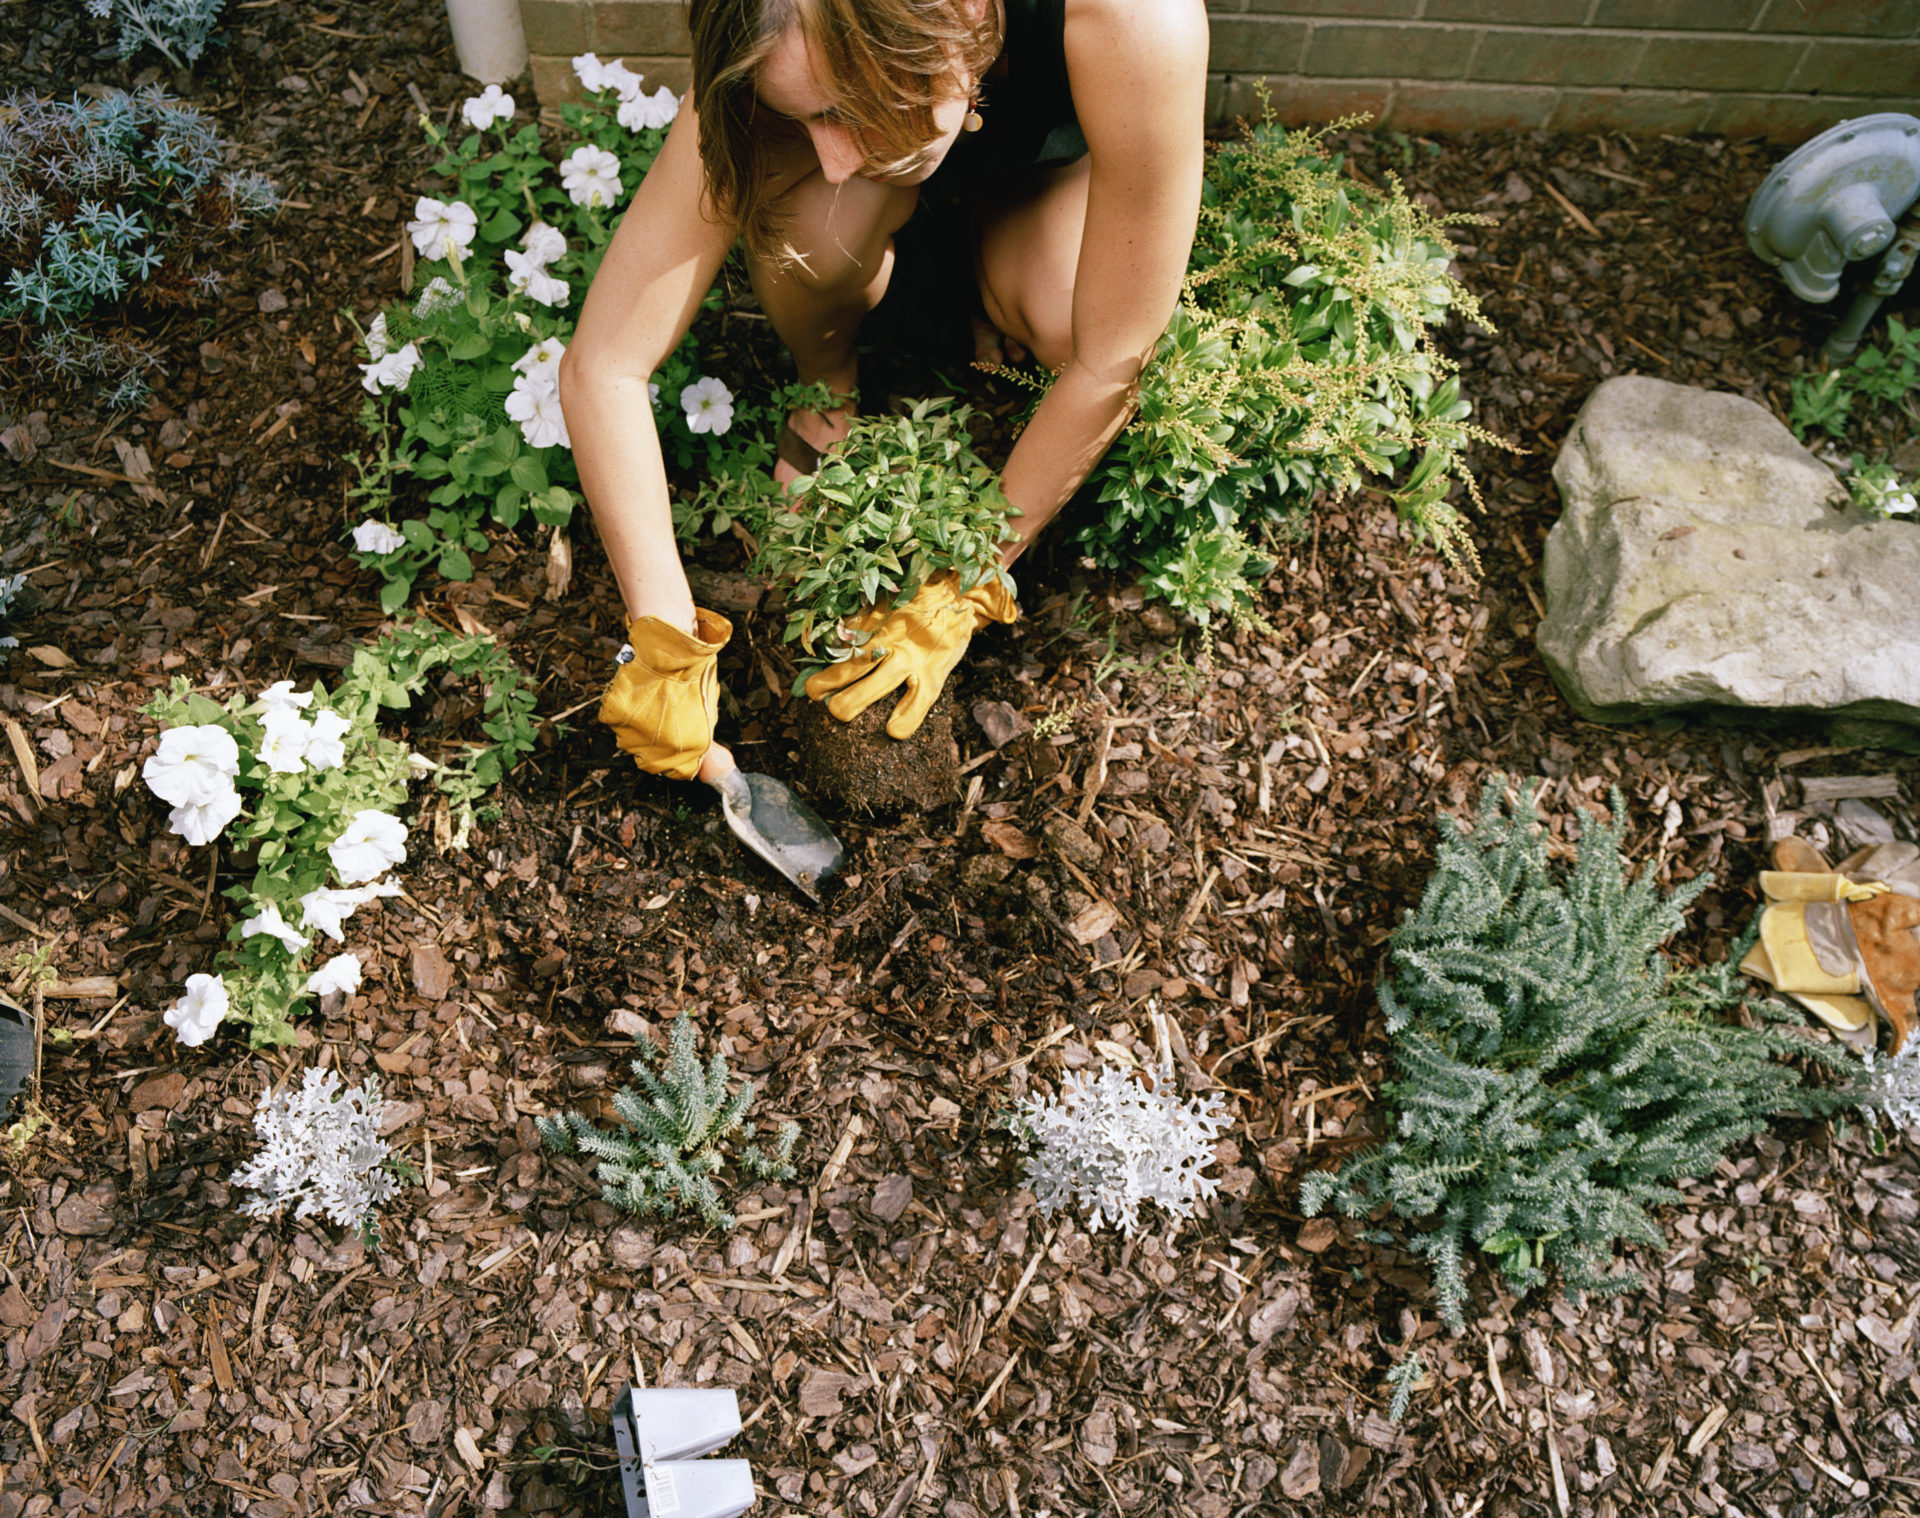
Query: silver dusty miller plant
(1890, 1088)
(178, 28)
(321, 1151)
(1108, 1144)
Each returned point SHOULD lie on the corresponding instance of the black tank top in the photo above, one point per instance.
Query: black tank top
(1026, 106)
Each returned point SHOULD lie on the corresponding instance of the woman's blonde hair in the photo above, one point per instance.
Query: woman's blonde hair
(891, 62)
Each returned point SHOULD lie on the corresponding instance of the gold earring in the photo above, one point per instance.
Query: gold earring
(972, 122)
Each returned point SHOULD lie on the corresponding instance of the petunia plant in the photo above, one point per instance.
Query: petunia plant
(306, 786)
(463, 378)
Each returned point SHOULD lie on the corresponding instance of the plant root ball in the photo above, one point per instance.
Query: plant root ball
(857, 766)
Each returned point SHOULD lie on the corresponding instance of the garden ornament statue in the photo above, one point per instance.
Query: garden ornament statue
(1838, 199)
(660, 1433)
(661, 705)
(1844, 943)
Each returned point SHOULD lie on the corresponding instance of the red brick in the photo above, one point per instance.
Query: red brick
(1305, 102)
(1844, 18)
(1860, 68)
(1680, 15)
(1640, 111)
(1513, 55)
(1510, 12)
(1369, 50)
(1257, 44)
(556, 27)
(1786, 119)
(1719, 63)
(1461, 107)
(655, 27)
(1346, 10)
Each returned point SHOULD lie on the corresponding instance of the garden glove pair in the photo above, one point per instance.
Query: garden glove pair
(664, 698)
(916, 646)
(1844, 943)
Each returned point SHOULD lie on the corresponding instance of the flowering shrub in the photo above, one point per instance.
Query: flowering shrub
(177, 28)
(1299, 362)
(115, 204)
(321, 1151)
(1878, 490)
(464, 381)
(314, 787)
(671, 1153)
(1108, 1144)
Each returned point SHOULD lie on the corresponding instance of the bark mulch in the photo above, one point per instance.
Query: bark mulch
(1227, 834)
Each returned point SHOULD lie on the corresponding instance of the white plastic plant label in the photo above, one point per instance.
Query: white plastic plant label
(663, 1496)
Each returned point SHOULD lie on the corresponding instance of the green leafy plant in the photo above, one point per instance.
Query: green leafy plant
(1555, 1073)
(310, 786)
(463, 378)
(1886, 374)
(1300, 363)
(671, 1152)
(110, 210)
(904, 498)
(1878, 490)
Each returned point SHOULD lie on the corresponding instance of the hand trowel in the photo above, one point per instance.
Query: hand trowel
(781, 828)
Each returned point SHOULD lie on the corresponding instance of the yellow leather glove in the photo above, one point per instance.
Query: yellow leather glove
(665, 697)
(916, 645)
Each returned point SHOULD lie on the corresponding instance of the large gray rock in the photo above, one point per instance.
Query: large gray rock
(1704, 558)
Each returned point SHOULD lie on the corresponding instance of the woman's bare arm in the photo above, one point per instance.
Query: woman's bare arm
(1139, 74)
(661, 263)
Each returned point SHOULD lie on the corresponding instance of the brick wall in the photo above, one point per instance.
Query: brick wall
(1784, 69)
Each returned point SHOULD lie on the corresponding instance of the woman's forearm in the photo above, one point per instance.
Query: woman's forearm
(1071, 430)
(617, 451)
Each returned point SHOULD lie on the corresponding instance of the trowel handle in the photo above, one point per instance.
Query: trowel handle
(735, 796)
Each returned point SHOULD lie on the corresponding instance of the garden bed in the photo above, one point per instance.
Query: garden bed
(1232, 837)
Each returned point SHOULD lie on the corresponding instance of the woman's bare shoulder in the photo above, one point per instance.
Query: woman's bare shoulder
(1172, 27)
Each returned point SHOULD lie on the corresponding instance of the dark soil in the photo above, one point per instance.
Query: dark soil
(860, 769)
(1229, 835)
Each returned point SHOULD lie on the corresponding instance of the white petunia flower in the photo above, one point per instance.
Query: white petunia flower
(544, 243)
(326, 909)
(436, 297)
(653, 391)
(282, 697)
(325, 749)
(1899, 505)
(194, 765)
(708, 405)
(591, 176)
(200, 822)
(197, 1014)
(371, 845)
(489, 106)
(373, 536)
(591, 72)
(377, 339)
(440, 228)
(535, 405)
(341, 973)
(269, 921)
(639, 112)
(526, 273)
(541, 362)
(616, 76)
(391, 371)
(283, 742)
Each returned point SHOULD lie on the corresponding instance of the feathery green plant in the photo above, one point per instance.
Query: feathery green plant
(1556, 1074)
(671, 1153)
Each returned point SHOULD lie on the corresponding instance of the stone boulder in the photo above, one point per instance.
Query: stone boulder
(1704, 558)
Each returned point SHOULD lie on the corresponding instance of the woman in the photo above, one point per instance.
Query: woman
(1074, 130)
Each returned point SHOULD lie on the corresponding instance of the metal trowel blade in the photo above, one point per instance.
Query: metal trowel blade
(782, 829)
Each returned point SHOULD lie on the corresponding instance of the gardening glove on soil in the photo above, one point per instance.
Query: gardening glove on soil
(1843, 946)
(665, 697)
(916, 645)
